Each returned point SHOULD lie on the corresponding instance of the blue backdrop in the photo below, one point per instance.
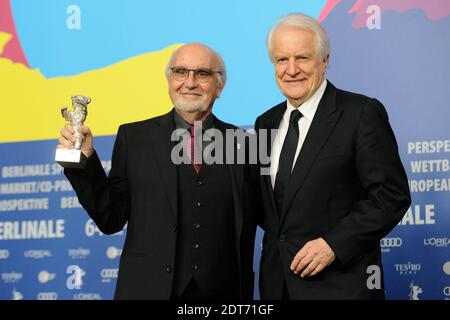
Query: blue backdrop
(396, 52)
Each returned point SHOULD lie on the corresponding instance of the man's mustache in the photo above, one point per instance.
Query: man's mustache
(191, 92)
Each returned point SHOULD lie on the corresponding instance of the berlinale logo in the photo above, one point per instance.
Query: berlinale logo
(415, 290)
(16, 295)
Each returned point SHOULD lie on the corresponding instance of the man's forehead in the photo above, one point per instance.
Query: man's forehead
(293, 51)
(192, 63)
(194, 57)
(299, 43)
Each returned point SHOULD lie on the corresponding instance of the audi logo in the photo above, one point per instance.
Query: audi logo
(391, 242)
(109, 273)
(446, 291)
(47, 296)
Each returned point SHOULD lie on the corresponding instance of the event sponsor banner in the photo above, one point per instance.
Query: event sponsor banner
(116, 53)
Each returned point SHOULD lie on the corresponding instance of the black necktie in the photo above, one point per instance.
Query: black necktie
(286, 159)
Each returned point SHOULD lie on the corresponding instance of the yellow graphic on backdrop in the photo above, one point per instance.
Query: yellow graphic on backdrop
(127, 91)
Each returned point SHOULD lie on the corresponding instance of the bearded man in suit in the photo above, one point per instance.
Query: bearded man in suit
(191, 226)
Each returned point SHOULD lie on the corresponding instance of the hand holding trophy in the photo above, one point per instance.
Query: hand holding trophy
(69, 155)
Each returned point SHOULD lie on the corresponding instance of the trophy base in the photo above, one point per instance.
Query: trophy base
(71, 158)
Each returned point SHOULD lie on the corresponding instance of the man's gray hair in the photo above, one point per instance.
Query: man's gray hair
(221, 77)
(301, 20)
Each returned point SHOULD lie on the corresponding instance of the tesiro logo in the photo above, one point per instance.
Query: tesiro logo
(407, 268)
(45, 276)
(11, 277)
(388, 243)
(79, 253)
(75, 280)
(437, 242)
(47, 296)
(4, 254)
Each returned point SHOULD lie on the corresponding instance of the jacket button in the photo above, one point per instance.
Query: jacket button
(282, 237)
(197, 225)
(197, 204)
(195, 267)
(174, 228)
(195, 246)
(168, 269)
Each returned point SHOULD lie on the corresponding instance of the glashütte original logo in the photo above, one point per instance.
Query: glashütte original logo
(4, 253)
(44, 276)
(113, 252)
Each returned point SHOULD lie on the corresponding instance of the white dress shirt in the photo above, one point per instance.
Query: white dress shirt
(308, 109)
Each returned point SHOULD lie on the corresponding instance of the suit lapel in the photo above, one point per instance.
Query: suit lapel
(324, 121)
(235, 169)
(162, 146)
(271, 123)
(237, 183)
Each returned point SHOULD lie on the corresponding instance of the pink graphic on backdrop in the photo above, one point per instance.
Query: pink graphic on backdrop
(13, 50)
(434, 9)
(356, 6)
(327, 8)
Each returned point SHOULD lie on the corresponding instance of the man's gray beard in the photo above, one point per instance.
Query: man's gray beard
(187, 107)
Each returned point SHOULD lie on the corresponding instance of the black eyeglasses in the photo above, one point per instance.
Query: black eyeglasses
(201, 74)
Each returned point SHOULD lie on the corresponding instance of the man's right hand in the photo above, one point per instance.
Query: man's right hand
(67, 139)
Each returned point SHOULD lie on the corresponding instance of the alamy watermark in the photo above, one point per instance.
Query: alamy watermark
(212, 146)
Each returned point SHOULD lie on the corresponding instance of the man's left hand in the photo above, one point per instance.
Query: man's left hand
(312, 258)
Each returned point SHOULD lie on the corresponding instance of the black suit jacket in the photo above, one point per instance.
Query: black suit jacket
(141, 190)
(348, 186)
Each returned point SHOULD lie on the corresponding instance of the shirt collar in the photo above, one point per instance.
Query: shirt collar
(180, 123)
(309, 107)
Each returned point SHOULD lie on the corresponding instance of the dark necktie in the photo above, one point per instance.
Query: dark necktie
(197, 166)
(286, 159)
